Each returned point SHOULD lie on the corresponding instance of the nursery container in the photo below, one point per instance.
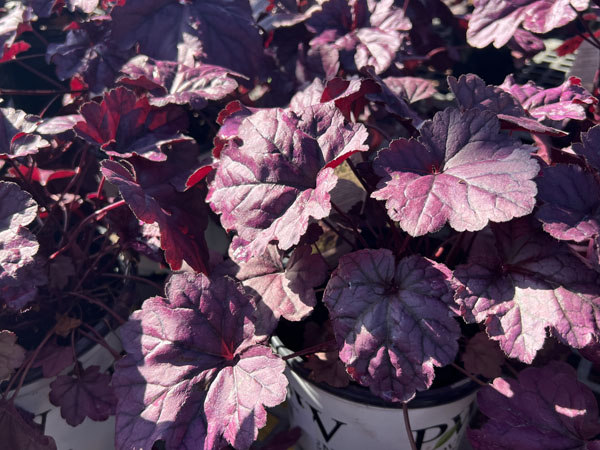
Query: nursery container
(353, 419)
(90, 434)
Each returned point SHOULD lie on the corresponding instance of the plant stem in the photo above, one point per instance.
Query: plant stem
(92, 217)
(338, 232)
(135, 278)
(411, 438)
(467, 374)
(43, 76)
(358, 176)
(351, 223)
(4, 91)
(25, 369)
(107, 308)
(99, 340)
(327, 345)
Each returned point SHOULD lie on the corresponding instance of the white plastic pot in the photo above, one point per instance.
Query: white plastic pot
(353, 419)
(89, 435)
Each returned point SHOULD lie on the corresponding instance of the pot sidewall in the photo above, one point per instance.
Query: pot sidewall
(331, 422)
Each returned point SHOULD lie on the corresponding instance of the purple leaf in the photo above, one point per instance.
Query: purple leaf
(567, 101)
(524, 283)
(269, 187)
(124, 125)
(87, 393)
(283, 291)
(392, 100)
(54, 358)
(472, 93)
(198, 342)
(236, 399)
(411, 89)
(326, 367)
(16, 139)
(59, 124)
(20, 271)
(15, 20)
(460, 171)
(590, 147)
(482, 356)
(546, 409)
(12, 354)
(392, 322)
(87, 6)
(89, 52)
(171, 82)
(365, 33)
(496, 21)
(571, 209)
(211, 31)
(181, 216)
(17, 433)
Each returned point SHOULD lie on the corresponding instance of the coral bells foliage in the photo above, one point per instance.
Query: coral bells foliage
(291, 164)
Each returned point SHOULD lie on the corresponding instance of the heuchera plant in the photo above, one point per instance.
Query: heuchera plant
(407, 233)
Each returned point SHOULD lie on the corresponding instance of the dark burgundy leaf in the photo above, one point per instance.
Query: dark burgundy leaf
(90, 53)
(567, 101)
(87, 6)
(54, 358)
(308, 96)
(460, 171)
(326, 367)
(571, 209)
(546, 409)
(198, 342)
(15, 20)
(283, 291)
(84, 394)
(590, 147)
(283, 440)
(524, 283)
(392, 322)
(496, 21)
(211, 31)
(348, 95)
(20, 271)
(592, 353)
(393, 102)
(19, 434)
(269, 187)
(472, 93)
(525, 45)
(16, 138)
(181, 216)
(364, 32)
(482, 356)
(171, 82)
(124, 125)
(12, 354)
(411, 89)
(58, 124)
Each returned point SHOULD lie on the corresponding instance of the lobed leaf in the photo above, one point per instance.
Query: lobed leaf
(571, 197)
(392, 322)
(545, 409)
(496, 21)
(84, 394)
(524, 283)
(194, 375)
(567, 101)
(460, 171)
(267, 188)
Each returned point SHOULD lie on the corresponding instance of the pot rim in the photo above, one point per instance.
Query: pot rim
(359, 394)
